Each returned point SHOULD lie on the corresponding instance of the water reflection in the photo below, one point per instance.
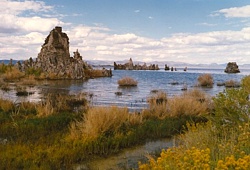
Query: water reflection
(103, 91)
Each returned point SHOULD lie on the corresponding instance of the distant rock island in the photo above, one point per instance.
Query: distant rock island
(54, 59)
(130, 66)
(232, 67)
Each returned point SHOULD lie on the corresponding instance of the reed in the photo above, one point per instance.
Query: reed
(205, 80)
(99, 121)
(12, 74)
(127, 81)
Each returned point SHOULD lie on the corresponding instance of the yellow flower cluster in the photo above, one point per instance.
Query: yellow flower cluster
(232, 163)
(177, 158)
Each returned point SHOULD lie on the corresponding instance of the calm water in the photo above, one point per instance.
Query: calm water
(103, 90)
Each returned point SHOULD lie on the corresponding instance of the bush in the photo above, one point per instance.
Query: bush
(99, 121)
(205, 80)
(12, 74)
(127, 81)
(232, 83)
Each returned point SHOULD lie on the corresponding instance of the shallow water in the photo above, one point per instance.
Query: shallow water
(103, 90)
(128, 158)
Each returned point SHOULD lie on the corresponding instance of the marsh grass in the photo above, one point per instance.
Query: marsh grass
(221, 143)
(99, 121)
(6, 105)
(127, 81)
(12, 74)
(232, 83)
(193, 102)
(29, 80)
(205, 80)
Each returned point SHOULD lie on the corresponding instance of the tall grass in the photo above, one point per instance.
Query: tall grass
(99, 121)
(221, 143)
(12, 74)
(193, 102)
(127, 81)
(205, 80)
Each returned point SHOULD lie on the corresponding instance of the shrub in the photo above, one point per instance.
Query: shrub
(6, 105)
(12, 74)
(127, 81)
(205, 80)
(231, 107)
(194, 102)
(99, 121)
(232, 83)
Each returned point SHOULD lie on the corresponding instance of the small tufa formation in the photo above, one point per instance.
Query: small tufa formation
(54, 59)
(232, 67)
(131, 66)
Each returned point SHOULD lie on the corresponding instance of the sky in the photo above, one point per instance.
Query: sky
(190, 31)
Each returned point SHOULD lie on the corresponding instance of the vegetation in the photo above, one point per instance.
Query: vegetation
(221, 143)
(49, 135)
(205, 80)
(127, 81)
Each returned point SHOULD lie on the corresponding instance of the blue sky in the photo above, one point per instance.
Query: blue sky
(192, 31)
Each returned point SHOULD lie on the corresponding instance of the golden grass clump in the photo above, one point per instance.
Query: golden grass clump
(12, 74)
(158, 107)
(193, 102)
(127, 81)
(232, 83)
(29, 81)
(6, 105)
(99, 121)
(205, 80)
(45, 108)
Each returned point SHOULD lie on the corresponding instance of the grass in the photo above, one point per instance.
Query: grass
(205, 80)
(127, 81)
(193, 102)
(49, 136)
(221, 143)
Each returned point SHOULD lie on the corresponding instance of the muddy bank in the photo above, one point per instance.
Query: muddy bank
(128, 158)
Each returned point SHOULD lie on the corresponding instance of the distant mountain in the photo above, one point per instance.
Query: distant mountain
(161, 64)
(8, 61)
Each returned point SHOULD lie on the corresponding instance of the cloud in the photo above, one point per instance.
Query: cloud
(150, 17)
(137, 11)
(13, 20)
(235, 12)
(21, 37)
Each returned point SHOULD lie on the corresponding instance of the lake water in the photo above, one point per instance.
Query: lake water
(103, 90)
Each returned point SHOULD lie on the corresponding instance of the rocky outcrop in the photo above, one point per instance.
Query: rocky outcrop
(131, 66)
(232, 67)
(54, 58)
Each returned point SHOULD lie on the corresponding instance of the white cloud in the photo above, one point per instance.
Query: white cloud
(235, 12)
(99, 42)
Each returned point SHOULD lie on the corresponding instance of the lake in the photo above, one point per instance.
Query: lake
(102, 90)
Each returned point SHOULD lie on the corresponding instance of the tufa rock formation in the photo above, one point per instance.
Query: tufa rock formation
(232, 67)
(131, 66)
(54, 59)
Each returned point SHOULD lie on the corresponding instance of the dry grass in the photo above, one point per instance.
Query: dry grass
(6, 105)
(232, 83)
(99, 121)
(194, 102)
(46, 107)
(12, 74)
(205, 80)
(29, 81)
(127, 81)
(157, 106)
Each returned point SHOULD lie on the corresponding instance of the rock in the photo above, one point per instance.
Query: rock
(131, 66)
(54, 59)
(232, 67)
(166, 67)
